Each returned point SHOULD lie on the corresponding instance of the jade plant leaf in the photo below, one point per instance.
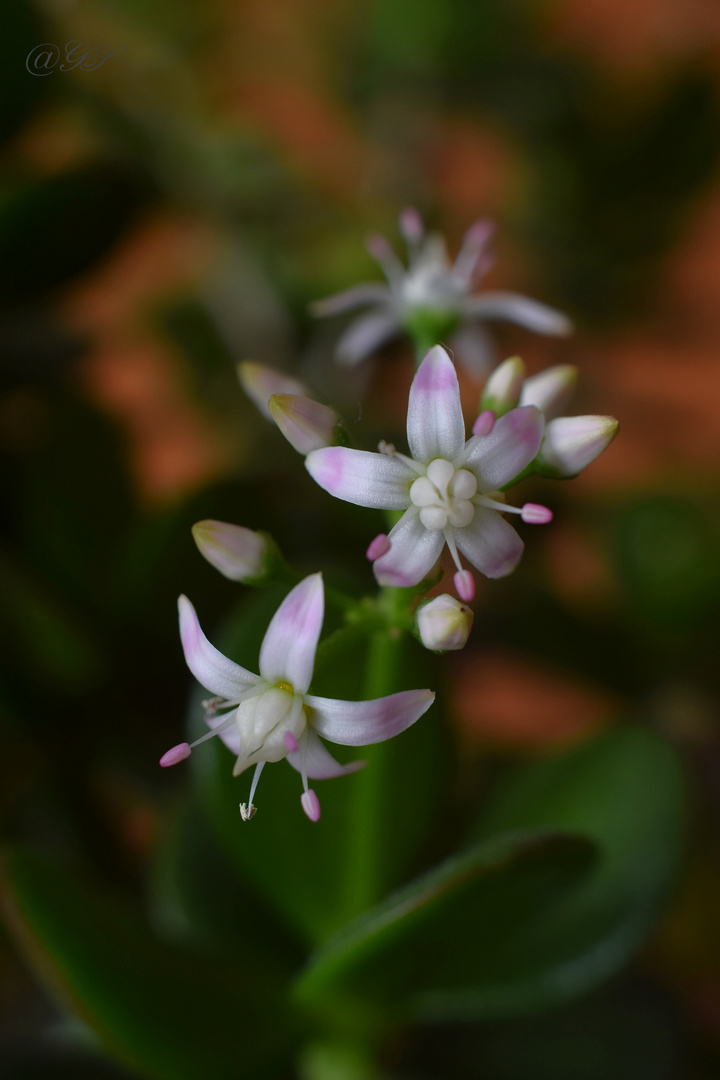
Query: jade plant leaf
(167, 1013)
(434, 933)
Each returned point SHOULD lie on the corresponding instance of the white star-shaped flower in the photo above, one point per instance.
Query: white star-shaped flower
(271, 716)
(448, 488)
(434, 295)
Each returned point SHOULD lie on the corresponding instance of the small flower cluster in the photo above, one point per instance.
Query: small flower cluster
(448, 492)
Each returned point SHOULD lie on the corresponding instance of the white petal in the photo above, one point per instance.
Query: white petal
(475, 349)
(414, 550)
(287, 653)
(521, 310)
(318, 762)
(499, 457)
(358, 723)
(364, 335)
(369, 292)
(435, 425)
(362, 478)
(211, 669)
(490, 543)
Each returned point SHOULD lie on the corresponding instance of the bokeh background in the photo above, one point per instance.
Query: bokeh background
(173, 212)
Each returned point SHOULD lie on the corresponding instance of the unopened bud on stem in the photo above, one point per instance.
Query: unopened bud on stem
(444, 623)
(502, 390)
(238, 553)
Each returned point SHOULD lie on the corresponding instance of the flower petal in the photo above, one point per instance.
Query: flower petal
(358, 723)
(475, 348)
(318, 761)
(435, 425)
(499, 457)
(550, 390)
(369, 292)
(260, 382)
(519, 309)
(360, 477)
(211, 669)
(414, 550)
(490, 543)
(287, 653)
(364, 335)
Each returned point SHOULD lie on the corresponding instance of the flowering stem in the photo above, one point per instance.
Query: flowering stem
(367, 819)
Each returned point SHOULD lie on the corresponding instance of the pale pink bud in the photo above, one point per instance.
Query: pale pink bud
(238, 553)
(572, 442)
(535, 514)
(306, 424)
(465, 584)
(484, 423)
(310, 804)
(378, 547)
(260, 383)
(175, 755)
(502, 390)
(550, 390)
(444, 623)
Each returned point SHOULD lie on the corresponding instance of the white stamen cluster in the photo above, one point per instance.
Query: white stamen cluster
(443, 495)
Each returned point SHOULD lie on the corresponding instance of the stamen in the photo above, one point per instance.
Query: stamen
(465, 585)
(449, 535)
(411, 226)
(484, 423)
(310, 804)
(176, 754)
(211, 705)
(384, 255)
(247, 812)
(535, 514)
(389, 450)
(378, 547)
(256, 776)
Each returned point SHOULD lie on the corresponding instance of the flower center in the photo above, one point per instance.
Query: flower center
(443, 495)
(263, 722)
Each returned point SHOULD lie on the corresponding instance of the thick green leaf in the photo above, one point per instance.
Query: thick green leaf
(625, 791)
(436, 932)
(166, 1013)
(308, 871)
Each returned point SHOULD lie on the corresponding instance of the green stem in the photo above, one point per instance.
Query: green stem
(367, 822)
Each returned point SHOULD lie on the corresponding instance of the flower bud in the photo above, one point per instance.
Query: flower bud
(502, 389)
(444, 623)
(306, 424)
(260, 383)
(550, 390)
(238, 553)
(572, 442)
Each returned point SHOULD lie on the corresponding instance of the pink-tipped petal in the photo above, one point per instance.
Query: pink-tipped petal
(287, 653)
(359, 723)
(377, 547)
(465, 585)
(317, 762)
(411, 225)
(360, 477)
(413, 552)
(211, 669)
(435, 425)
(484, 423)
(367, 293)
(474, 242)
(490, 543)
(535, 514)
(310, 804)
(499, 457)
(175, 755)
(365, 335)
(512, 307)
(291, 742)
